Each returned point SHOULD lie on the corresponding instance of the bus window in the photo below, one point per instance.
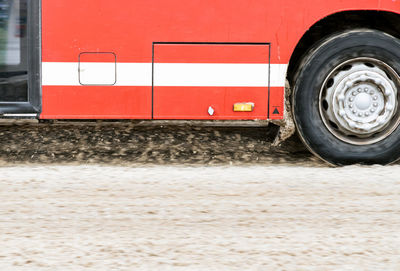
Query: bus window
(13, 51)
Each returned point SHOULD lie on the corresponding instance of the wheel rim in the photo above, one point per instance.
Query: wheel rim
(359, 100)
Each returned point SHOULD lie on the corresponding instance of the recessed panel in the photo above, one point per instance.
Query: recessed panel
(205, 81)
(97, 69)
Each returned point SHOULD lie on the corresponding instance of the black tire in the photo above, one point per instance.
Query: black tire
(314, 71)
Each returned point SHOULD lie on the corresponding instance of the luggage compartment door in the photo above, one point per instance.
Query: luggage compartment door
(210, 81)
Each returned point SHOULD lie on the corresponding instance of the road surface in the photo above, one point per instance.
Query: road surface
(199, 217)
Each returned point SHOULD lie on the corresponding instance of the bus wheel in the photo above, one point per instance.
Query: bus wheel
(345, 99)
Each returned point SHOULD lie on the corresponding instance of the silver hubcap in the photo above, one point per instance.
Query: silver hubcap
(358, 101)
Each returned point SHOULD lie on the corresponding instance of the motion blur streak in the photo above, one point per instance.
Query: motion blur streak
(199, 218)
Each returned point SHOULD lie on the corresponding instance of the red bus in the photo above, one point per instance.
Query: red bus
(331, 66)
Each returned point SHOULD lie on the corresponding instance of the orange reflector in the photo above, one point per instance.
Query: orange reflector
(243, 107)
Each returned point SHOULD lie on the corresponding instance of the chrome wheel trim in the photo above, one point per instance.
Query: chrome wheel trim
(358, 101)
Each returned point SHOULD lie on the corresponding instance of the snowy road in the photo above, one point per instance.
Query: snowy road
(199, 218)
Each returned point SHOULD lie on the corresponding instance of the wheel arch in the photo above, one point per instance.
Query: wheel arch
(385, 21)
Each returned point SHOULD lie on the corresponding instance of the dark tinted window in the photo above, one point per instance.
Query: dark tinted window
(13, 51)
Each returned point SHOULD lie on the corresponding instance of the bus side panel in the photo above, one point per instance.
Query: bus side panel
(129, 28)
(96, 102)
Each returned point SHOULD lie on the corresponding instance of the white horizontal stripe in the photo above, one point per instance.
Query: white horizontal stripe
(67, 74)
(134, 74)
(278, 75)
(211, 75)
(165, 74)
(89, 73)
(60, 74)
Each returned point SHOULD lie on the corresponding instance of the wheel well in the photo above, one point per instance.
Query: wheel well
(387, 22)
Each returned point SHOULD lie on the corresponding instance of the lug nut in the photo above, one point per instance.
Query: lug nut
(376, 104)
(381, 120)
(359, 89)
(366, 114)
(350, 105)
(354, 111)
(351, 99)
(354, 93)
(375, 98)
(372, 110)
(360, 114)
(371, 92)
(352, 124)
(365, 89)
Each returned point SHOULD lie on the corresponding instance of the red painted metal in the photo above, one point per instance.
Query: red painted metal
(170, 102)
(103, 57)
(211, 53)
(129, 28)
(276, 105)
(96, 102)
(193, 102)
